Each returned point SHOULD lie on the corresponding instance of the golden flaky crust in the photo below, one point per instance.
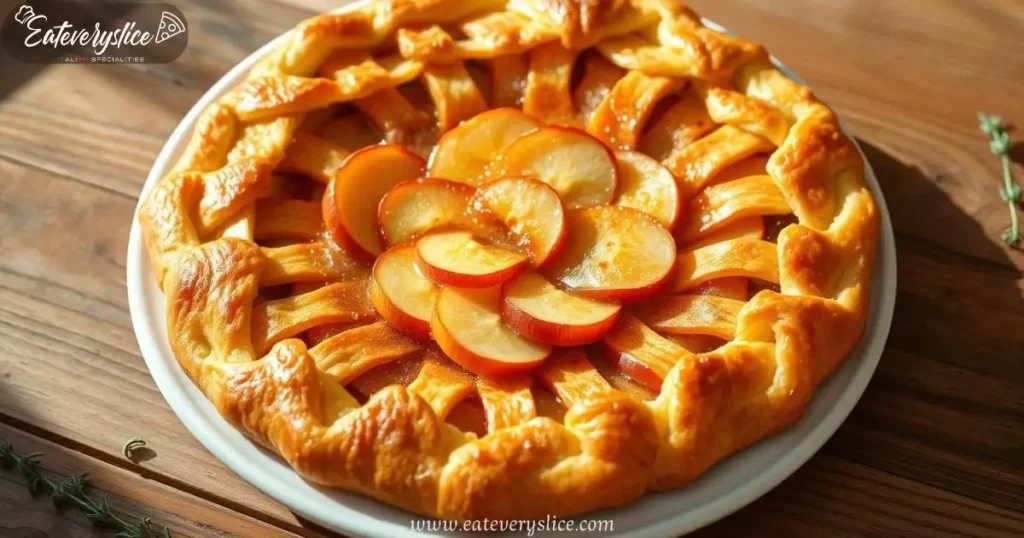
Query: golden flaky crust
(240, 349)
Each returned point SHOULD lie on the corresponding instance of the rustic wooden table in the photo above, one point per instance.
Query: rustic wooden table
(935, 447)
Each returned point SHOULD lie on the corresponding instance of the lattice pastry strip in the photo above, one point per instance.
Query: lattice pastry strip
(570, 376)
(749, 114)
(350, 131)
(275, 320)
(454, 93)
(751, 258)
(548, 93)
(396, 117)
(710, 107)
(320, 261)
(441, 383)
(696, 164)
(693, 314)
(355, 351)
(731, 287)
(507, 401)
(622, 114)
(643, 353)
(313, 156)
(683, 122)
(278, 218)
(509, 74)
(748, 227)
(598, 79)
(240, 225)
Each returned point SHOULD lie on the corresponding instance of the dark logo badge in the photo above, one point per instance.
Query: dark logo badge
(94, 32)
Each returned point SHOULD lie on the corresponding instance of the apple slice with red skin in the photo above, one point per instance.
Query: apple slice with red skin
(614, 254)
(646, 185)
(401, 295)
(531, 210)
(413, 208)
(578, 166)
(457, 259)
(467, 326)
(354, 193)
(538, 310)
(465, 153)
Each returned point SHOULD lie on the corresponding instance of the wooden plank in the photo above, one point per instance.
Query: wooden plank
(830, 496)
(88, 151)
(132, 497)
(944, 408)
(65, 330)
(952, 309)
(916, 421)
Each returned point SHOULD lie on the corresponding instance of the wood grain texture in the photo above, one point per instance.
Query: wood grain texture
(935, 447)
(131, 497)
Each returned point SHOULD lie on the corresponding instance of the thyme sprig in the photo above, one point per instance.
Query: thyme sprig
(73, 490)
(999, 143)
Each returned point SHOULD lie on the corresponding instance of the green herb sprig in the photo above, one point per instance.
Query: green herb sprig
(72, 490)
(999, 143)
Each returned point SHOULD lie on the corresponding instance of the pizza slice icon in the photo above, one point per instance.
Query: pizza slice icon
(170, 26)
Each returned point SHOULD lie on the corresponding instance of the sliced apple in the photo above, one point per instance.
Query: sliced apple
(468, 327)
(614, 254)
(646, 185)
(415, 207)
(531, 210)
(456, 259)
(538, 310)
(465, 152)
(351, 200)
(578, 166)
(401, 295)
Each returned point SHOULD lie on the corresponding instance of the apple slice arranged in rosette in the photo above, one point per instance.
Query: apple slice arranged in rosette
(578, 166)
(538, 310)
(412, 208)
(354, 193)
(401, 295)
(646, 185)
(466, 152)
(457, 259)
(463, 282)
(531, 210)
(467, 325)
(614, 254)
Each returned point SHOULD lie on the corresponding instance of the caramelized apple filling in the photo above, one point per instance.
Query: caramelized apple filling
(516, 241)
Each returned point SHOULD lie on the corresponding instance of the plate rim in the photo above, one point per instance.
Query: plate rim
(346, 514)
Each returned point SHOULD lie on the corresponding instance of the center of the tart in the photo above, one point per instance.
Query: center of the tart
(514, 239)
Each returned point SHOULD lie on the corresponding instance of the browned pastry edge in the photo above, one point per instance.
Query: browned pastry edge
(611, 448)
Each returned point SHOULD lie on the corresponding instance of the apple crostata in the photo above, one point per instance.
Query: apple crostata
(512, 258)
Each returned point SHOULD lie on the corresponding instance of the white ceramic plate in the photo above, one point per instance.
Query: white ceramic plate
(725, 488)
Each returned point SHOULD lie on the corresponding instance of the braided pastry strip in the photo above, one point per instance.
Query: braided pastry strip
(610, 448)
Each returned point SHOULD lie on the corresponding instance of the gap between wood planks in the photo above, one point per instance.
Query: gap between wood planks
(117, 460)
(966, 260)
(131, 497)
(67, 177)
